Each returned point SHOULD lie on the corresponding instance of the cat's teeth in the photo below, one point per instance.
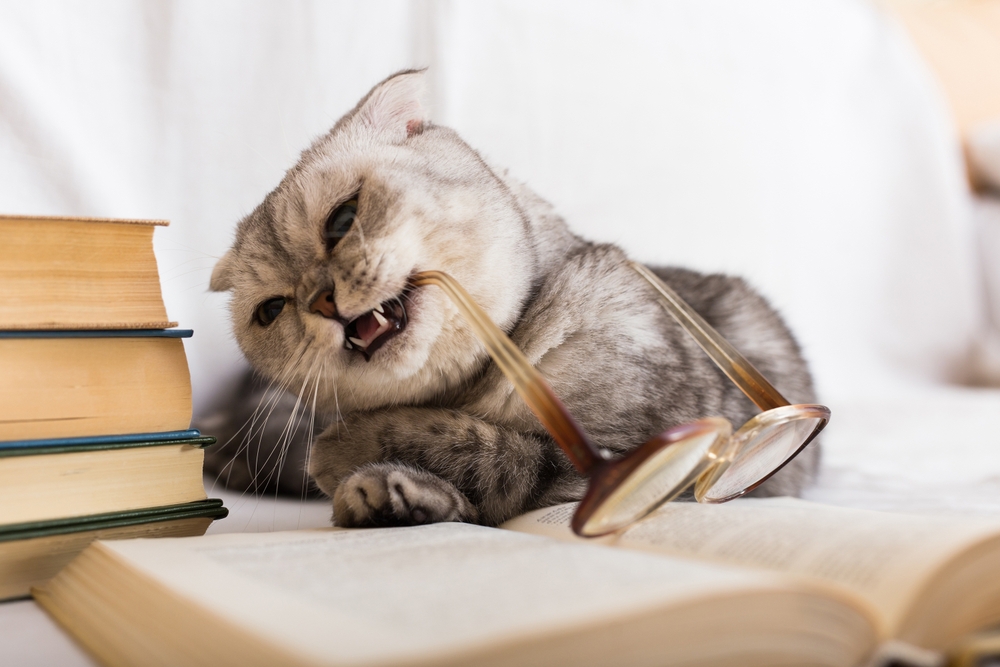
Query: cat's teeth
(379, 309)
(381, 320)
(360, 343)
(348, 345)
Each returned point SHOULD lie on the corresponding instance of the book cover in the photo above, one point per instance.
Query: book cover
(191, 437)
(210, 507)
(32, 552)
(97, 333)
(73, 477)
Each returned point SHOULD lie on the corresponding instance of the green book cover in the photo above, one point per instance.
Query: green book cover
(68, 445)
(211, 508)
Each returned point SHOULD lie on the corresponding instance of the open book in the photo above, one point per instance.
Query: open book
(753, 582)
(931, 580)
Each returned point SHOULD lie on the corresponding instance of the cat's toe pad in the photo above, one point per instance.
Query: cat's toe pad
(389, 494)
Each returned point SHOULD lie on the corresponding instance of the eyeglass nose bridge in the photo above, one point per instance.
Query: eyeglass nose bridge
(626, 489)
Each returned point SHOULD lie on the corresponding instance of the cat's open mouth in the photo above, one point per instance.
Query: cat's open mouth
(367, 333)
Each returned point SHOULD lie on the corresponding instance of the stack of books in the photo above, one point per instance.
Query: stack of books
(95, 398)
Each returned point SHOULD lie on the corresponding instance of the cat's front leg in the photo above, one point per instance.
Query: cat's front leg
(418, 465)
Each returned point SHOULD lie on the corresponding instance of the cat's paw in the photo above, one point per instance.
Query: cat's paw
(393, 494)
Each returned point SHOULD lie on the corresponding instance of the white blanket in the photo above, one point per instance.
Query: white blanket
(802, 145)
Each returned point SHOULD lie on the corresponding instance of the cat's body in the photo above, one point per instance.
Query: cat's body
(428, 428)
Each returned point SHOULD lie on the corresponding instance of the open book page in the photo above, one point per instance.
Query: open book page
(386, 595)
(884, 557)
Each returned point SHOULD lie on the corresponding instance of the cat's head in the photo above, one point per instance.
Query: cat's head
(319, 270)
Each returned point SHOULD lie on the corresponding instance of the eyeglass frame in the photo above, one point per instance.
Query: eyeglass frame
(605, 473)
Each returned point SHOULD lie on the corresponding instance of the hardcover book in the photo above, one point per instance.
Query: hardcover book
(95, 399)
(32, 552)
(59, 495)
(57, 479)
(79, 273)
(81, 383)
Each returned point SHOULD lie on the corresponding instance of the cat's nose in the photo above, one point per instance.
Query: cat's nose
(324, 305)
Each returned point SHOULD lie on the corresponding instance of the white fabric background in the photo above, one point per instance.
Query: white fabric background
(188, 111)
(802, 145)
(799, 144)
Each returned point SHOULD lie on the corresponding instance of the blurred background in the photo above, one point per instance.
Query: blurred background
(842, 155)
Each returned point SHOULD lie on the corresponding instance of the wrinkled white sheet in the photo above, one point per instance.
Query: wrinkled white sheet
(914, 447)
(802, 145)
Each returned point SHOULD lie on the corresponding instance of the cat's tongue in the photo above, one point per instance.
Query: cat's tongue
(368, 332)
(369, 328)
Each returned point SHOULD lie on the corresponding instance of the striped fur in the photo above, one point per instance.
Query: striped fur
(428, 429)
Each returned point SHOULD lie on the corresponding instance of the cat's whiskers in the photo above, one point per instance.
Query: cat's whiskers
(283, 442)
(277, 388)
(284, 438)
(268, 398)
(271, 398)
(281, 446)
(289, 432)
(268, 402)
(336, 402)
(312, 433)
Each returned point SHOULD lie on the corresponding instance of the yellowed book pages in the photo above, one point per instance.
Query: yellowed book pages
(442, 594)
(932, 578)
(79, 273)
(75, 387)
(65, 485)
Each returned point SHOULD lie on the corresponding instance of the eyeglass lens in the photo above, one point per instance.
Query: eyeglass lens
(760, 448)
(665, 474)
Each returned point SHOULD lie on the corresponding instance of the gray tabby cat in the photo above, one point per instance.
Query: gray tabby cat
(422, 425)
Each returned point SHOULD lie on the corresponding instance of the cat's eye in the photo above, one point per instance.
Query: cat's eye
(340, 221)
(269, 310)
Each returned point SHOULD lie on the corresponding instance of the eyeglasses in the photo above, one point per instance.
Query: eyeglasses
(706, 454)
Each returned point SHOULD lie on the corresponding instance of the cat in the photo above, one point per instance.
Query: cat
(420, 425)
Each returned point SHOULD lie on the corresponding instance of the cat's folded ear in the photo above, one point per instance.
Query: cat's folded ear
(394, 109)
(222, 274)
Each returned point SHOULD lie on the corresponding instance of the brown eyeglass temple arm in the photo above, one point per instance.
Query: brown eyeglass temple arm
(527, 381)
(725, 356)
